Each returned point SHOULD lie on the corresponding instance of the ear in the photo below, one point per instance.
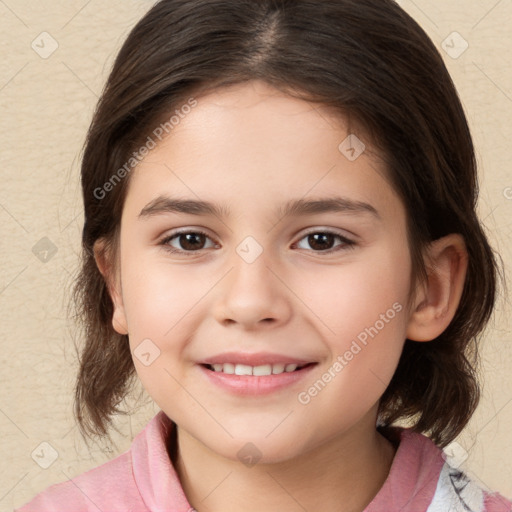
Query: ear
(111, 274)
(437, 299)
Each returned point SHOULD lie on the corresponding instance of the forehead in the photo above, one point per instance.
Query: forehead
(250, 145)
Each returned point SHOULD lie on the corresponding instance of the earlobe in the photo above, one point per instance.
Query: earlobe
(437, 301)
(110, 273)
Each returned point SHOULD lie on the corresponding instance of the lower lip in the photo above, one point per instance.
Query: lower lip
(255, 385)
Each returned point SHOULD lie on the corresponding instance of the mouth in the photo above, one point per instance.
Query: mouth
(256, 371)
(261, 373)
(260, 378)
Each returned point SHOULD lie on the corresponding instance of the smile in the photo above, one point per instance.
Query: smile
(258, 371)
(263, 378)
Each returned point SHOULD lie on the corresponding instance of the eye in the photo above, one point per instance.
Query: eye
(195, 241)
(323, 241)
(187, 241)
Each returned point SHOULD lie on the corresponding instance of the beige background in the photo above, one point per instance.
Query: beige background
(46, 105)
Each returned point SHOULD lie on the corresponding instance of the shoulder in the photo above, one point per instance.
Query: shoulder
(141, 479)
(423, 477)
(110, 486)
(118, 485)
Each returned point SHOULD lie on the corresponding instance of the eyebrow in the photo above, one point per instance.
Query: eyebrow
(294, 207)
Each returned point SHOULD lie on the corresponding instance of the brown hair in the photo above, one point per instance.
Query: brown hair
(373, 63)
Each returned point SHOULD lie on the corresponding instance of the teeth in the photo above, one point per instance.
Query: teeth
(265, 369)
(277, 368)
(244, 369)
(228, 368)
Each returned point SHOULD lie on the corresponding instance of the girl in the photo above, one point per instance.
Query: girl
(281, 241)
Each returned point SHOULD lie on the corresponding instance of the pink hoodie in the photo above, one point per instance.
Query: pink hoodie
(144, 480)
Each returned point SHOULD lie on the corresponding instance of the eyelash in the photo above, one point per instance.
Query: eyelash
(346, 243)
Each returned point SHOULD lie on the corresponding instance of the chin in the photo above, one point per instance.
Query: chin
(258, 449)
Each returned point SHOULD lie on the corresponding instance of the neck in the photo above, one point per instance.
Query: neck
(348, 469)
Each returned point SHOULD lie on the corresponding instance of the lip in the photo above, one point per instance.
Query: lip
(252, 385)
(254, 359)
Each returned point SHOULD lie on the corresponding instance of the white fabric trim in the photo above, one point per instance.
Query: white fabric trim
(455, 492)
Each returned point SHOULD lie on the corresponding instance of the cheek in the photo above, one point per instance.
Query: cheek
(353, 296)
(158, 296)
(161, 306)
(363, 306)
(165, 304)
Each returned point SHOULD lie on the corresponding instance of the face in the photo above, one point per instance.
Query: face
(253, 285)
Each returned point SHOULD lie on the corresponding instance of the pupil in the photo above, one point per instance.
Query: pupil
(314, 240)
(191, 240)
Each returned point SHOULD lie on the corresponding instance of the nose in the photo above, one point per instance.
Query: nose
(252, 296)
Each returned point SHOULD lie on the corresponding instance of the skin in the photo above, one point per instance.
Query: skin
(251, 148)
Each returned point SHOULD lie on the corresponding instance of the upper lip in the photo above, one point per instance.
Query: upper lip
(256, 359)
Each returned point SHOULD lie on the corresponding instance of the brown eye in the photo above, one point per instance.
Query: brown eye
(186, 241)
(325, 241)
(191, 241)
(321, 241)
(195, 241)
